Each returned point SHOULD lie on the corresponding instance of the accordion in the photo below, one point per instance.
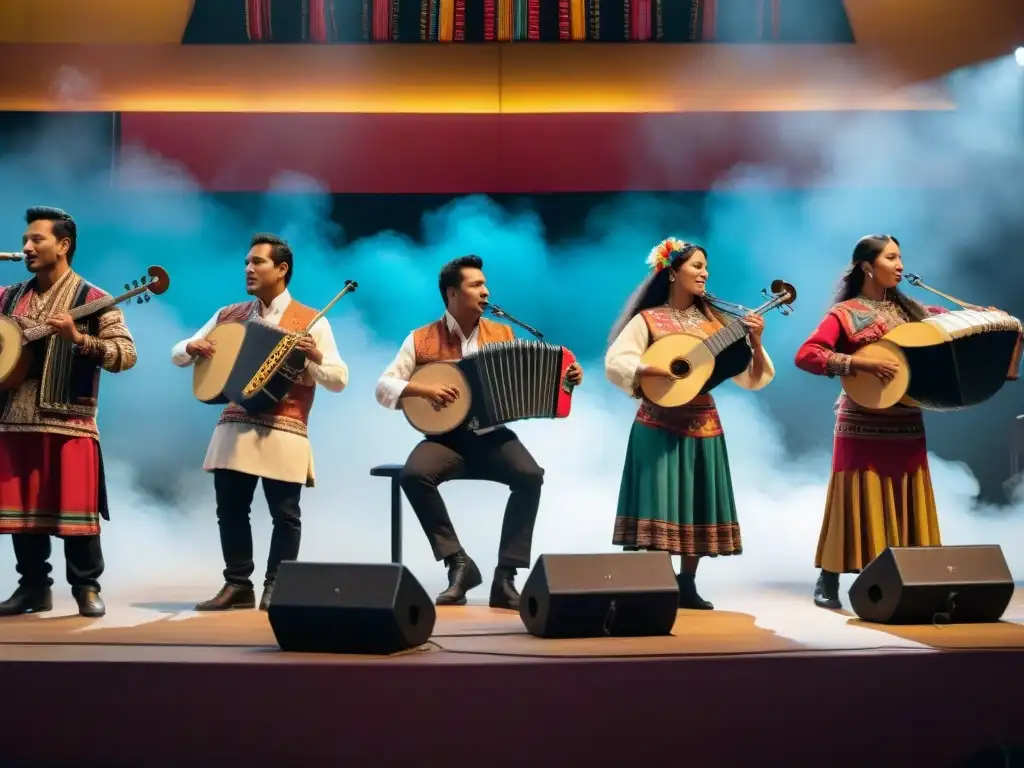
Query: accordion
(501, 383)
(963, 360)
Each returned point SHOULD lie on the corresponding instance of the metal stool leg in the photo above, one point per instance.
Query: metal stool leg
(396, 521)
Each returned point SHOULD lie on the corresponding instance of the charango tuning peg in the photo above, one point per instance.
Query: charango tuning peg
(127, 287)
(144, 278)
(135, 283)
(146, 297)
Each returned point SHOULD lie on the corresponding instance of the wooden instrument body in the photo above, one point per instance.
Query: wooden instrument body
(16, 357)
(940, 370)
(17, 354)
(470, 408)
(697, 369)
(240, 349)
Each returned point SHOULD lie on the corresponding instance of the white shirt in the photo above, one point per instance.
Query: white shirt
(623, 359)
(395, 378)
(271, 453)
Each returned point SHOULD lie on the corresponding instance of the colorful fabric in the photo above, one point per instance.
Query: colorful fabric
(434, 342)
(291, 414)
(61, 390)
(51, 484)
(866, 511)
(676, 495)
(880, 491)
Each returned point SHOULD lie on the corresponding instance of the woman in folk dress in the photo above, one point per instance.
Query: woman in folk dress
(676, 491)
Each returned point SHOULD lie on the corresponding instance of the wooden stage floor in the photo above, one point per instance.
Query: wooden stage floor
(767, 679)
(764, 623)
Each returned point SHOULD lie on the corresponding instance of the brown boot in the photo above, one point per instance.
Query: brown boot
(231, 597)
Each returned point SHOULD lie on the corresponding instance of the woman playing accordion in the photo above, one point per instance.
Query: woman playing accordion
(676, 491)
(880, 492)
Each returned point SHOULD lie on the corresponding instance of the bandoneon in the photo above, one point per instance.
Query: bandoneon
(244, 349)
(959, 359)
(501, 383)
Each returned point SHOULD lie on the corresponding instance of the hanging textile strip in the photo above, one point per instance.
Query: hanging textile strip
(659, 21)
(446, 23)
(578, 18)
(304, 25)
(563, 20)
(435, 20)
(533, 20)
(505, 19)
(460, 21)
(776, 19)
(710, 26)
(640, 29)
(518, 19)
(257, 19)
(318, 22)
(383, 10)
(490, 20)
(759, 10)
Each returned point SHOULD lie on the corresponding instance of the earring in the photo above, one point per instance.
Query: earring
(871, 274)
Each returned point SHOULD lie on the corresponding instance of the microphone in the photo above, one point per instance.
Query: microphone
(19, 256)
(499, 312)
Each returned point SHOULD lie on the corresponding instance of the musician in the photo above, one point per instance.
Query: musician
(676, 493)
(880, 492)
(51, 467)
(494, 454)
(272, 447)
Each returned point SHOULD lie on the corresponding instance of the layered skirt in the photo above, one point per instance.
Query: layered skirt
(51, 484)
(676, 491)
(880, 492)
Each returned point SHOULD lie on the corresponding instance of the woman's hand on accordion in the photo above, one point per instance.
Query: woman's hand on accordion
(574, 374)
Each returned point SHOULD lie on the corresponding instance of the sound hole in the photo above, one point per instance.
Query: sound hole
(531, 606)
(874, 593)
(679, 367)
(414, 615)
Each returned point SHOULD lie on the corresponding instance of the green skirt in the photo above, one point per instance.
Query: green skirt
(676, 495)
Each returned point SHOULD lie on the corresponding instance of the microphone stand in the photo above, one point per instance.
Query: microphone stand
(499, 312)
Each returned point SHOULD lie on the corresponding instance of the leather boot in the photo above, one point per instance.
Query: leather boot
(826, 591)
(231, 597)
(463, 575)
(27, 600)
(503, 589)
(90, 604)
(268, 593)
(688, 597)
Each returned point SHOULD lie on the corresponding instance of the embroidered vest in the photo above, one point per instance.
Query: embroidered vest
(699, 417)
(434, 342)
(291, 414)
(68, 383)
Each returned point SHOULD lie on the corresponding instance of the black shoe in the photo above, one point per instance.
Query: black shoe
(27, 600)
(463, 575)
(231, 597)
(503, 589)
(688, 597)
(826, 591)
(268, 593)
(90, 604)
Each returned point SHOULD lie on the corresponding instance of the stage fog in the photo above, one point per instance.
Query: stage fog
(154, 433)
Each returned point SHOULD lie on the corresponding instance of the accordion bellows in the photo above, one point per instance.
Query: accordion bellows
(501, 383)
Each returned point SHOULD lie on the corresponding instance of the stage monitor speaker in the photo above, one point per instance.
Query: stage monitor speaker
(933, 585)
(349, 608)
(628, 594)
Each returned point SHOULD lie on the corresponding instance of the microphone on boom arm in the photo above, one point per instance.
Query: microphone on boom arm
(16, 256)
(497, 311)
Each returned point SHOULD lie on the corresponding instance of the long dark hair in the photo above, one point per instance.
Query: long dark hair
(851, 284)
(654, 291)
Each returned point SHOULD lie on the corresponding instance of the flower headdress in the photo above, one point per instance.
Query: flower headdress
(661, 255)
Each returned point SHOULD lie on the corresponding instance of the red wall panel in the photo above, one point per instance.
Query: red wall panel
(463, 154)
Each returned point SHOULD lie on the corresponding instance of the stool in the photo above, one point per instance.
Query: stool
(392, 471)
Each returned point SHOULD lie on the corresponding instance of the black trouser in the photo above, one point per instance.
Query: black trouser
(234, 501)
(83, 555)
(496, 456)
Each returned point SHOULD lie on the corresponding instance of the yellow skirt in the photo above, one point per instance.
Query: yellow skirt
(866, 512)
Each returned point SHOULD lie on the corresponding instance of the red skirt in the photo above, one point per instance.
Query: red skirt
(51, 484)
